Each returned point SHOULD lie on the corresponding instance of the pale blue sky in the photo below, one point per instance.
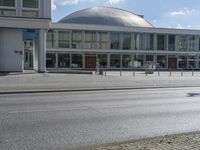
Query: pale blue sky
(161, 13)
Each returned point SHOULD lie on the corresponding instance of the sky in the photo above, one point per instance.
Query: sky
(161, 13)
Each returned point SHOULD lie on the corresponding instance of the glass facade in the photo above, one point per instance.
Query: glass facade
(63, 60)
(127, 61)
(115, 40)
(77, 61)
(161, 42)
(76, 39)
(10, 8)
(115, 61)
(63, 39)
(191, 44)
(139, 41)
(7, 3)
(51, 60)
(171, 42)
(103, 60)
(182, 62)
(149, 41)
(126, 41)
(90, 40)
(138, 61)
(161, 61)
(102, 40)
(181, 43)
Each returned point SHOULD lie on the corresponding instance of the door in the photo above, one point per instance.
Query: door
(172, 62)
(28, 55)
(90, 61)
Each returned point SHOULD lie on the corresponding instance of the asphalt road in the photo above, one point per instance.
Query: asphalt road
(62, 121)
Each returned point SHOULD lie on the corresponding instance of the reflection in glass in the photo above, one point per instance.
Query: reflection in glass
(161, 42)
(76, 39)
(182, 42)
(115, 61)
(171, 43)
(115, 40)
(138, 61)
(90, 40)
(103, 60)
(126, 41)
(139, 41)
(126, 61)
(63, 60)
(102, 40)
(161, 61)
(77, 61)
(63, 39)
(182, 62)
(149, 41)
(51, 60)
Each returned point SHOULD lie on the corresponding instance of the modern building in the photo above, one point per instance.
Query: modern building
(116, 38)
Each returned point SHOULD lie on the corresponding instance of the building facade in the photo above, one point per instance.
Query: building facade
(118, 39)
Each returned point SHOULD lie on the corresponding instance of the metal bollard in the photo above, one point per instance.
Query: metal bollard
(158, 73)
(134, 73)
(105, 72)
(120, 72)
(192, 72)
(181, 73)
(170, 73)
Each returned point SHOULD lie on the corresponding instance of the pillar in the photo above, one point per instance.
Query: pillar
(42, 51)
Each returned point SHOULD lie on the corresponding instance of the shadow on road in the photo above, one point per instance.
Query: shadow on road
(193, 94)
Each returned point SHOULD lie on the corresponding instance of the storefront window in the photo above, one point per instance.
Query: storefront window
(63, 39)
(161, 42)
(51, 60)
(171, 43)
(126, 61)
(139, 41)
(76, 39)
(115, 40)
(103, 60)
(90, 40)
(77, 61)
(182, 62)
(126, 41)
(149, 41)
(149, 58)
(115, 61)
(63, 60)
(161, 61)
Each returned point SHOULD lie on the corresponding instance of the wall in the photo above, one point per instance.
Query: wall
(11, 43)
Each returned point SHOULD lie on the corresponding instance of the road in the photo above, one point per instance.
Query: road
(59, 121)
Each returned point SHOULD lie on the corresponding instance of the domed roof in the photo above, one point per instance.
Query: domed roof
(106, 16)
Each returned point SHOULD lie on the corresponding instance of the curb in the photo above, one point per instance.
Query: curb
(88, 90)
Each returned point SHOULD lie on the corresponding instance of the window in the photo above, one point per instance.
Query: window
(171, 43)
(161, 61)
(103, 60)
(102, 40)
(90, 40)
(149, 41)
(30, 3)
(161, 42)
(76, 39)
(29, 13)
(126, 41)
(50, 37)
(138, 61)
(182, 42)
(126, 61)
(63, 39)
(139, 41)
(149, 58)
(51, 60)
(182, 62)
(63, 60)
(77, 61)
(191, 43)
(191, 62)
(115, 40)
(115, 61)
(7, 3)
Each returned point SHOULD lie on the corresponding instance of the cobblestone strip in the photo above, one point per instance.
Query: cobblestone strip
(190, 141)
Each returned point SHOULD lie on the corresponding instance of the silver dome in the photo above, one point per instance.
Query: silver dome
(106, 16)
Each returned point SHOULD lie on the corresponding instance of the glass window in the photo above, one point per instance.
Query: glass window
(77, 61)
(182, 42)
(126, 41)
(115, 40)
(90, 40)
(102, 40)
(63, 39)
(7, 12)
(115, 61)
(30, 13)
(138, 61)
(149, 41)
(182, 62)
(103, 60)
(50, 37)
(191, 43)
(76, 39)
(139, 41)
(161, 42)
(7, 3)
(171, 43)
(161, 61)
(126, 61)
(63, 60)
(51, 60)
(191, 62)
(149, 58)
(31, 3)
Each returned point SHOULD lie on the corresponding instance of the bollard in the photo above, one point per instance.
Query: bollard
(158, 73)
(134, 73)
(181, 73)
(192, 72)
(105, 72)
(170, 73)
(120, 72)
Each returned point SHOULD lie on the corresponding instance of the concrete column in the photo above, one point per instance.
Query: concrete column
(42, 51)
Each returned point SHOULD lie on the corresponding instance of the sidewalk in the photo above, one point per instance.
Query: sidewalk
(190, 141)
(71, 82)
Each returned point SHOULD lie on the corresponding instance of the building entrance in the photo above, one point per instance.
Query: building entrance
(28, 55)
(90, 61)
(172, 62)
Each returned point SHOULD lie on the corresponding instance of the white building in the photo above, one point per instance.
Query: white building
(115, 37)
